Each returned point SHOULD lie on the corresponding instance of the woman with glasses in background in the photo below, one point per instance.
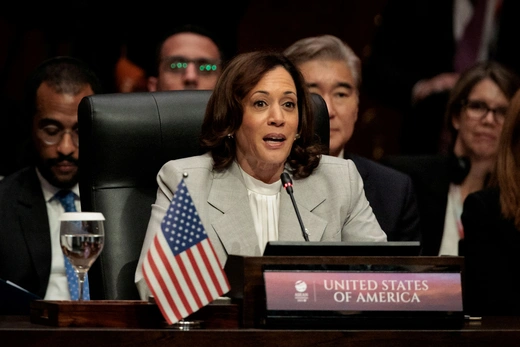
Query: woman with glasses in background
(475, 114)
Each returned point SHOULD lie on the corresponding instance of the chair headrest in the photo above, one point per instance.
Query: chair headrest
(125, 138)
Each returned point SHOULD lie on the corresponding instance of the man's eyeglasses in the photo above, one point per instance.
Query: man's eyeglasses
(479, 109)
(180, 64)
(51, 135)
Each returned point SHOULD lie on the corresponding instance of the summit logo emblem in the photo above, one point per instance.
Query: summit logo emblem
(301, 294)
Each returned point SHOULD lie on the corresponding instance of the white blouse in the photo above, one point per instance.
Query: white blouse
(453, 230)
(264, 200)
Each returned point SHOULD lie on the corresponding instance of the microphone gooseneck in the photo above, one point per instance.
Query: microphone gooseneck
(288, 186)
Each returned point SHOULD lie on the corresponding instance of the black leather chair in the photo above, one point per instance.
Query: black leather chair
(125, 139)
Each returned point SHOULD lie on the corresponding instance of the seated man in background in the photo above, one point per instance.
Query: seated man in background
(189, 57)
(31, 198)
(332, 69)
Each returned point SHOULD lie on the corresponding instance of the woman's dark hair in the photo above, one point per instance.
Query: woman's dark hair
(224, 112)
(505, 79)
(508, 163)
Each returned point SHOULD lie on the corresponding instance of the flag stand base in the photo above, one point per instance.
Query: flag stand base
(186, 325)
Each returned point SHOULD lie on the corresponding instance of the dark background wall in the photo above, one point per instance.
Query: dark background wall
(97, 30)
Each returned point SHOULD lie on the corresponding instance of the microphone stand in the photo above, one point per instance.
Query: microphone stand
(287, 184)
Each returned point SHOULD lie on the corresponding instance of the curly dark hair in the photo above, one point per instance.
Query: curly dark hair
(224, 112)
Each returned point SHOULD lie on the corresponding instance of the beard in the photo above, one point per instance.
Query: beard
(45, 168)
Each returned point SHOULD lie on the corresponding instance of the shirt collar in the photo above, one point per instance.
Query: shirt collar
(49, 190)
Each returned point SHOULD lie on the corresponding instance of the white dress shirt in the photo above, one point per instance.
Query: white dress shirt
(58, 288)
(264, 200)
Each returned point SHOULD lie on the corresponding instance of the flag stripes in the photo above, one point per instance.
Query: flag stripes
(181, 267)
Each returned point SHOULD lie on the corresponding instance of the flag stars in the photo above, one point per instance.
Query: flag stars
(182, 226)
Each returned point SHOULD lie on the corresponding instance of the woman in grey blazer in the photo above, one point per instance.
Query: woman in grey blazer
(258, 125)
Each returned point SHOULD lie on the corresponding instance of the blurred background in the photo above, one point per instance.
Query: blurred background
(100, 32)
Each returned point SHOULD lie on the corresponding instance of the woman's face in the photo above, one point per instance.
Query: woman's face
(269, 126)
(479, 131)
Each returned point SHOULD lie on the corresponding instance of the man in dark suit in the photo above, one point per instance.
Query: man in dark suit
(333, 70)
(30, 252)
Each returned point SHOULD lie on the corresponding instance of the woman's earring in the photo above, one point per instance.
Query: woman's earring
(297, 137)
(229, 136)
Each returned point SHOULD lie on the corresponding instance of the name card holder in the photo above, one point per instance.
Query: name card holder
(348, 292)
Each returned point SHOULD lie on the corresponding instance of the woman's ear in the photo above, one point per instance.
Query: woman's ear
(455, 121)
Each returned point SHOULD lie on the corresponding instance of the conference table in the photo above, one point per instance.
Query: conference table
(489, 331)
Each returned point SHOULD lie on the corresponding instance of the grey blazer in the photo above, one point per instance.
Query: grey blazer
(332, 208)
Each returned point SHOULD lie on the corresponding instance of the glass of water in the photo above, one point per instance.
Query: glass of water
(82, 236)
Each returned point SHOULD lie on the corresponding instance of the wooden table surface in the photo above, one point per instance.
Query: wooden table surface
(490, 331)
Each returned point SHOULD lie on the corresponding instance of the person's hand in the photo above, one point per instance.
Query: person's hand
(442, 82)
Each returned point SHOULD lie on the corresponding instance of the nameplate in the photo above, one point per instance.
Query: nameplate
(301, 290)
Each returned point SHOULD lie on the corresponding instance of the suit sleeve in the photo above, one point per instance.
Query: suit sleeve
(409, 222)
(361, 223)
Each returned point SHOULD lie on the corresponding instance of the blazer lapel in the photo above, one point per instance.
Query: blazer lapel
(234, 225)
(34, 224)
(307, 197)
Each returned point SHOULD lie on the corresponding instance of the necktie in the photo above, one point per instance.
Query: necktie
(469, 45)
(66, 198)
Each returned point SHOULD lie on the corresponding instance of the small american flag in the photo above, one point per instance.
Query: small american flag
(181, 267)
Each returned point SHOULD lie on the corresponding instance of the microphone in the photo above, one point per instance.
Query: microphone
(287, 184)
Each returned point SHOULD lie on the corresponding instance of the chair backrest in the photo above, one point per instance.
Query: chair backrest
(125, 139)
